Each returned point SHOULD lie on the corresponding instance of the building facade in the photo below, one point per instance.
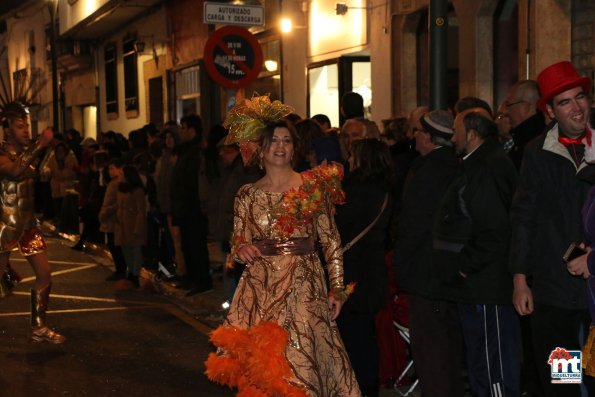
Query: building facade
(124, 64)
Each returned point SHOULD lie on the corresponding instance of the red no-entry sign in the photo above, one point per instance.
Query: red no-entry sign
(233, 57)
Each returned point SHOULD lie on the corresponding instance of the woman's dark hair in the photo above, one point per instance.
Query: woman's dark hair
(112, 149)
(100, 158)
(322, 119)
(308, 131)
(267, 136)
(371, 160)
(61, 160)
(193, 121)
(470, 102)
(138, 139)
(116, 162)
(141, 162)
(63, 145)
(72, 134)
(122, 142)
(293, 118)
(395, 129)
(132, 180)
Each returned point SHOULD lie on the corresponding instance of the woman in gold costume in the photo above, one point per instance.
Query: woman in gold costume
(280, 337)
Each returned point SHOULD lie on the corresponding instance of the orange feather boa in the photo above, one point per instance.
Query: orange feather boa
(253, 361)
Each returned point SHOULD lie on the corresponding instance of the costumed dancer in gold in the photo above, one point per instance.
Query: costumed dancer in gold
(18, 226)
(8, 280)
(280, 337)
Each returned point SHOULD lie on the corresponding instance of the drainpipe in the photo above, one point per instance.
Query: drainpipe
(438, 21)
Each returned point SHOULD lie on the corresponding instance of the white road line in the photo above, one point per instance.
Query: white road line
(58, 262)
(76, 269)
(93, 299)
(98, 309)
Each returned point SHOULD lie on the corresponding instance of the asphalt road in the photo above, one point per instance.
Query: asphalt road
(120, 343)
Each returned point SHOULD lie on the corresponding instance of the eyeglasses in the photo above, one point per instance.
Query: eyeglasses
(514, 103)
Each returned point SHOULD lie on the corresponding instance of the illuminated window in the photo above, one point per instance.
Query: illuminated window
(187, 88)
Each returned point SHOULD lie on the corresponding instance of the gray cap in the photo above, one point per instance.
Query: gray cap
(438, 122)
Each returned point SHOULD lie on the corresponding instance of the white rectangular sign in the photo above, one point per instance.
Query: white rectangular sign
(233, 14)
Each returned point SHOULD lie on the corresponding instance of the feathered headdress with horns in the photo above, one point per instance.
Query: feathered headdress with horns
(247, 120)
(16, 103)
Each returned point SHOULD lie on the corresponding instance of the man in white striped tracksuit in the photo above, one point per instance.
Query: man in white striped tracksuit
(472, 239)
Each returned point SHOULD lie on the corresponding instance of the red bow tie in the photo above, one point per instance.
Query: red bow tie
(564, 140)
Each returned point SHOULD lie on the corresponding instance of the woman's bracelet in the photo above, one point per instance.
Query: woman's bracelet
(236, 258)
(340, 294)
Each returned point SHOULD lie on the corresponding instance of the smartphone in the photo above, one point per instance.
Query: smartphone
(573, 252)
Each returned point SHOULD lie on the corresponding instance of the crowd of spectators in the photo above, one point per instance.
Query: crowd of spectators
(448, 194)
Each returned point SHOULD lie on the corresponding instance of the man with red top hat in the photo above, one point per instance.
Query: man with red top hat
(546, 219)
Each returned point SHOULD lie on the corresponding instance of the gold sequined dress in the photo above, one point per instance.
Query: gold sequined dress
(291, 291)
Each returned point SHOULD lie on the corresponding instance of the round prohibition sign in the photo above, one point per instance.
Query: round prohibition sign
(233, 57)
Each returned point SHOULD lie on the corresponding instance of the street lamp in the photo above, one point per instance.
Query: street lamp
(286, 25)
(53, 8)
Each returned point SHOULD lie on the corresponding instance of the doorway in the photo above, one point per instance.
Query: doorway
(329, 80)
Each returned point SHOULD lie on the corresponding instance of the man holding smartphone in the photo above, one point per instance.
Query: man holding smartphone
(546, 219)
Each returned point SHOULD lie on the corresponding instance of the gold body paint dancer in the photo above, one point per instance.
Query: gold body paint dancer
(18, 226)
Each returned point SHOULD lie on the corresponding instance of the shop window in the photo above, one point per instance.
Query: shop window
(323, 84)
(187, 86)
(130, 61)
(329, 80)
(361, 82)
(111, 81)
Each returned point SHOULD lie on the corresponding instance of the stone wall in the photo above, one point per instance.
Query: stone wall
(583, 36)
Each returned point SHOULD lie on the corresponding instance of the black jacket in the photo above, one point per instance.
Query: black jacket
(426, 182)
(546, 218)
(233, 178)
(364, 263)
(185, 202)
(483, 191)
(523, 134)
